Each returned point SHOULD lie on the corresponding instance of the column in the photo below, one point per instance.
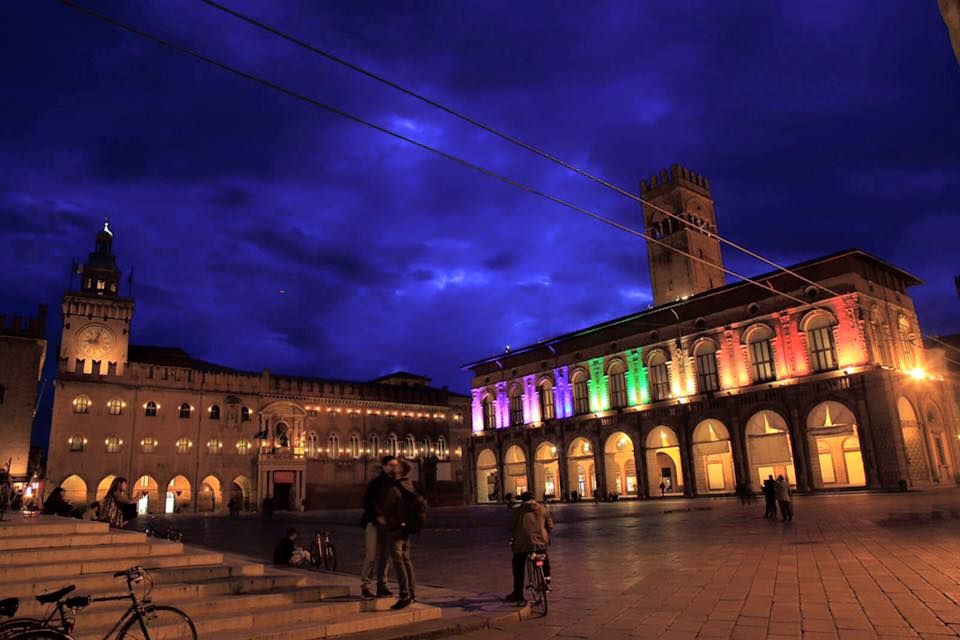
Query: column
(531, 401)
(564, 481)
(476, 409)
(686, 455)
(640, 460)
(502, 406)
(801, 450)
(738, 445)
(562, 395)
(600, 467)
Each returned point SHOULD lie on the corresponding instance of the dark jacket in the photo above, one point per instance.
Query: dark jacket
(770, 488)
(55, 505)
(284, 551)
(374, 497)
(530, 524)
(394, 505)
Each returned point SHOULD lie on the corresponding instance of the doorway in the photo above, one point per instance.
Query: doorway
(281, 495)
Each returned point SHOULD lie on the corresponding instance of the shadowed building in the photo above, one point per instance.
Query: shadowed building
(191, 435)
(718, 386)
(23, 350)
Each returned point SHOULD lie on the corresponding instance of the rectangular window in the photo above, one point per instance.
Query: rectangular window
(761, 361)
(659, 382)
(516, 410)
(581, 397)
(618, 390)
(546, 404)
(823, 351)
(489, 415)
(707, 372)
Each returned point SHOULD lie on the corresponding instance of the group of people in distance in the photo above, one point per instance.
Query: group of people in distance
(116, 508)
(777, 492)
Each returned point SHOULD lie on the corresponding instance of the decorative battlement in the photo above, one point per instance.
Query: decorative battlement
(25, 327)
(674, 175)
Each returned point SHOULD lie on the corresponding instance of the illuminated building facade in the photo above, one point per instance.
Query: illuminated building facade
(193, 435)
(722, 387)
(23, 350)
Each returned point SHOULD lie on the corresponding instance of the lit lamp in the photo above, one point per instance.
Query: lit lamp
(917, 373)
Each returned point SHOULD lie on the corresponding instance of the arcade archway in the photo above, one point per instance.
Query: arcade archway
(581, 468)
(713, 458)
(546, 471)
(620, 465)
(146, 492)
(241, 490)
(210, 497)
(832, 429)
(74, 490)
(178, 495)
(488, 485)
(769, 452)
(104, 486)
(515, 470)
(917, 467)
(664, 463)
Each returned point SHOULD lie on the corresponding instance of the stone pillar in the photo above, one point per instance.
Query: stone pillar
(686, 456)
(563, 470)
(801, 449)
(738, 446)
(600, 468)
(867, 444)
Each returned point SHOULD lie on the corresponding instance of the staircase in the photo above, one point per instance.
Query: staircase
(227, 598)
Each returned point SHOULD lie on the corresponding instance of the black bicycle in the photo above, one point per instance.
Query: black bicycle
(537, 582)
(143, 620)
(156, 530)
(63, 608)
(323, 555)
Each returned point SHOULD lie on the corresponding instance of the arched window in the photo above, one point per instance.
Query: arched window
(115, 406)
(214, 446)
(81, 404)
(706, 356)
(243, 447)
(214, 412)
(906, 341)
(244, 414)
(333, 445)
(113, 444)
(150, 409)
(354, 448)
(546, 400)
(393, 445)
(489, 413)
(313, 445)
(185, 410)
(581, 392)
(148, 444)
(760, 345)
(425, 448)
(442, 452)
(516, 405)
(820, 342)
(374, 445)
(617, 385)
(659, 376)
(409, 446)
(77, 442)
(184, 445)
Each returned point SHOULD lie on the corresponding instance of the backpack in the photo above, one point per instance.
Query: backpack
(415, 511)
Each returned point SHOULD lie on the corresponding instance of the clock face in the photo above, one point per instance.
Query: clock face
(95, 341)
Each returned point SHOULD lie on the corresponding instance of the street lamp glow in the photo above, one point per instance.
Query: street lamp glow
(918, 373)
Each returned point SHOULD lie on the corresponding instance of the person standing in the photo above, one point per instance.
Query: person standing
(770, 497)
(530, 524)
(375, 535)
(405, 511)
(784, 498)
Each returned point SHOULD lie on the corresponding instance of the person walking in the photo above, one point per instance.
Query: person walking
(530, 524)
(115, 504)
(373, 521)
(784, 499)
(770, 497)
(405, 511)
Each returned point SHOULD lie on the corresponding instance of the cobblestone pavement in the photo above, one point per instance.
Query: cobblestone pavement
(849, 566)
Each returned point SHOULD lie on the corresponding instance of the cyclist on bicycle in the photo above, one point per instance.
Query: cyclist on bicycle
(530, 524)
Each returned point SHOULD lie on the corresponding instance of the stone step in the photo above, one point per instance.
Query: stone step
(35, 572)
(343, 626)
(49, 525)
(60, 540)
(135, 551)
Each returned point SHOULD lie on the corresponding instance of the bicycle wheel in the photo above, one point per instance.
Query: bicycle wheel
(316, 558)
(537, 587)
(13, 626)
(159, 622)
(330, 558)
(39, 634)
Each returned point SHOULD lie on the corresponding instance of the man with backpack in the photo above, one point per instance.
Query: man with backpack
(406, 513)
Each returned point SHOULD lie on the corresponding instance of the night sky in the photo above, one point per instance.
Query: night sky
(821, 125)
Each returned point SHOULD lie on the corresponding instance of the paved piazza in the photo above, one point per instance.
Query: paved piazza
(849, 566)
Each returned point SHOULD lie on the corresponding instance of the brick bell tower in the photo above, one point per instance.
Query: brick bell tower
(96, 319)
(674, 276)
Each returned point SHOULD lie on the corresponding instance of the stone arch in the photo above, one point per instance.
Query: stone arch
(939, 440)
(620, 464)
(210, 497)
(769, 451)
(713, 458)
(664, 462)
(147, 493)
(104, 486)
(178, 495)
(74, 490)
(581, 467)
(488, 483)
(829, 425)
(546, 471)
(818, 317)
(241, 489)
(515, 470)
(917, 468)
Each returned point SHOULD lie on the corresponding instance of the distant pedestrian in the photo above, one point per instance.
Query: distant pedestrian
(373, 521)
(663, 489)
(770, 497)
(784, 499)
(530, 525)
(405, 510)
(116, 505)
(234, 507)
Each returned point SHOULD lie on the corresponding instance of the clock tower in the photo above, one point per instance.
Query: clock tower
(96, 320)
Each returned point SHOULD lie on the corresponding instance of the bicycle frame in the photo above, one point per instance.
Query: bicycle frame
(135, 609)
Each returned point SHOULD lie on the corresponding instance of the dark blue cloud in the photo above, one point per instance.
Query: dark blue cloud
(265, 233)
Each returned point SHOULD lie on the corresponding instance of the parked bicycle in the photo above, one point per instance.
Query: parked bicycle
(156, 530)
(142, 620)
(537, 582)
(60, 618)
(323, 555)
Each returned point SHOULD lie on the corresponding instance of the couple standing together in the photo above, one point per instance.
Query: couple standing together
(392, 510)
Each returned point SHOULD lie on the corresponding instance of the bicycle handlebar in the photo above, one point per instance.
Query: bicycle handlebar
(129, 574)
